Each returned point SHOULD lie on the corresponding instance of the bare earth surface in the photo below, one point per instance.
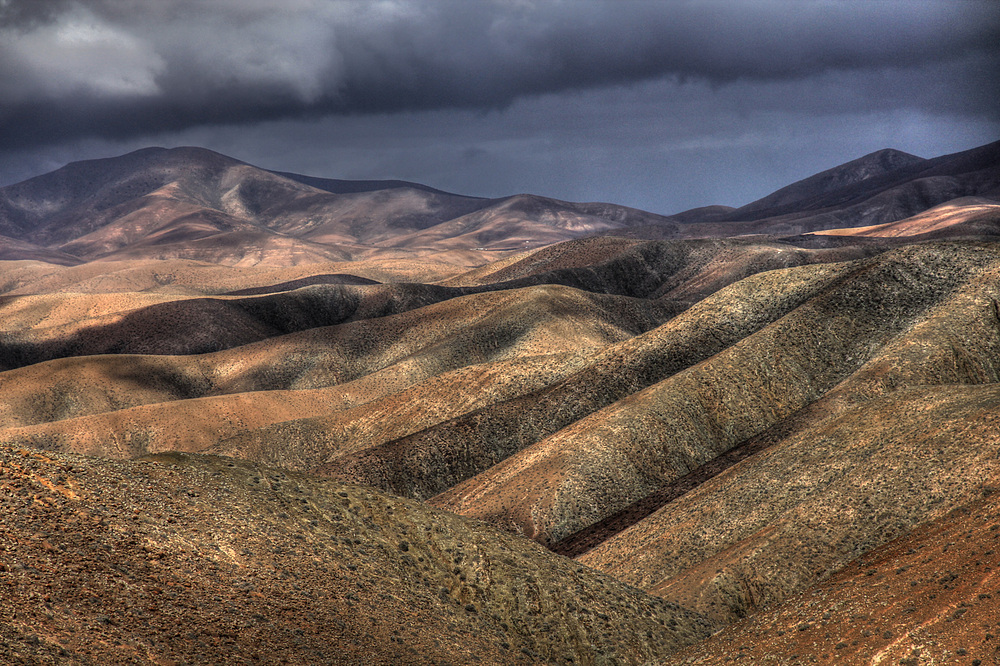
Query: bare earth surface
(928, 597)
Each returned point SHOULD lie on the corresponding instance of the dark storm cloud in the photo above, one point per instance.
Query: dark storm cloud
(126, 68)
(28, 13)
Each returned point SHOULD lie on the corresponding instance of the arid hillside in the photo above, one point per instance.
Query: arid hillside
(250, 415)
(927, 597)
(191, 559)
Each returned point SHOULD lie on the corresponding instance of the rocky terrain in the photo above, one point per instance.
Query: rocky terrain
(134, 562)
(928, 597)
(253, 416)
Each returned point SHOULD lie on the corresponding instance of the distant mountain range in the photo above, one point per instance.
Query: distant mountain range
(196, 204)
(192, 203)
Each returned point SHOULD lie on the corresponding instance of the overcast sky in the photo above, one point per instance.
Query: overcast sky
(659, 105)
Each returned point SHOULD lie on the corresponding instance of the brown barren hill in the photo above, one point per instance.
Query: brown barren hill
(403, 349)
(679, 271)
(184, 559)
(604, 461)
(908, 436)
(316, 442)
(927, 597)
(427, 463)
(804, 508)
(196, 278)
(431, 461)
(198, 325)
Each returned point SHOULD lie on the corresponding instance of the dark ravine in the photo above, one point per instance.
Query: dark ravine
(593, 535)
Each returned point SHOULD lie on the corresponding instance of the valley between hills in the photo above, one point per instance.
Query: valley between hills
(258, 417)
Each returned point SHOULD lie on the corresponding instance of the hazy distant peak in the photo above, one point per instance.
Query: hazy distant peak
(337, 186)
(851, 173)
(528, 202)
(876, 164)
(159, 153)
(147, 151)
(702, 214)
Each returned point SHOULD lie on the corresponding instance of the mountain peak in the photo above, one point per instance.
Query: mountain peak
(872, 165)
(877, 163)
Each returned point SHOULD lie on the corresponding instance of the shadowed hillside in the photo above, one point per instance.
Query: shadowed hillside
(199, 325)
(417, 345)
(880, 188)
(595, 465)
(908, 437)
(681, 271)
(473, 443)
(195, 278)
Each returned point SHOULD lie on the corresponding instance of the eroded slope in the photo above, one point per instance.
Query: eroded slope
(185, 559)
(601, 461)
(927, 597)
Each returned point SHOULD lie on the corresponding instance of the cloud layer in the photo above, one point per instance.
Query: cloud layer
(125, 68)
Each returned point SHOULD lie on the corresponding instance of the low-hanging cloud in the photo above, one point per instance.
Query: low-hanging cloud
(124, 68)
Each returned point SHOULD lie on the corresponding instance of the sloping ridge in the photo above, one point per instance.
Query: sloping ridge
(883, 187)
(929, 595)
(600, 463)
(122, 406)
(881, 171)
(909, 436)
(818, 499)
(955, 342)
(201, 557)
(843, 182)
(207, 324)
(432, 461)
(294, 443)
